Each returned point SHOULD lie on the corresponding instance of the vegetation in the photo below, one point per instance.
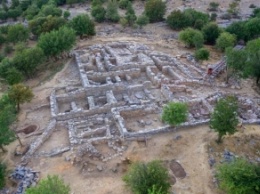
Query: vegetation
(98, 12)
(239, 177)
(192, 38)
(213, 6)
(112, 12)
(83, 25)
(130, 14)
(155, 10)
(142, 20)
(123, 4)
(175, 113)
(17, 33)
(224, 118)
(211, 32)
(2, 174)
(57, 41)
(225, 40)
(151, 178)
(202, 54)
(7, 116)
(52, 184)
(19, 94)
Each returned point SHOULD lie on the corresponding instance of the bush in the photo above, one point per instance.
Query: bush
(123, 4)
(225, 40)
(211, 32)
(143, 178)
(17, 33)
(2, 175)
(130, 14)
(213, 17)
(213, 6)
(112, 12)
(14, 76)
(202, 54)
(53, 184)
(175, 113)
(239, 177)
(66, 14)
(98, 13)
(83, 25)
(8, 49)
(155, 10)
(191, 38)
(142, 21)
(178, 20)
(238, 29)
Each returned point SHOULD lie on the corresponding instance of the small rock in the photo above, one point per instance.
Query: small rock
(177, 137)
(148, 122)
(114, 169)
(99, 168)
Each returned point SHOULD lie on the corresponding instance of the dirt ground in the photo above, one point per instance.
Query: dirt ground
(190, 146)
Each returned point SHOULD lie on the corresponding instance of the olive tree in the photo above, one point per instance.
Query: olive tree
(155, 10)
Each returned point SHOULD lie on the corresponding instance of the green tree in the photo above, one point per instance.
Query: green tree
(142, 178)
(57, 41)
(196, 16)
(2, 174)
(202, 54)
(14, 76)
(14, 13)
(112, 12)
(191, 38)
(27, 60)
(123, 4)
(239, 177)
(253, 28)
(98, 12)
(238, 29)
(256, 12)
(224, 119)
(178, 20)
(155, 10)
(211, 32)
(130, 14)
(253, 58)
(66, 14)
(50, 9)
(225, 40)
(20, 94)
(175, 113)
(142, 20)
(52, 184)
(7, 116)
(17, 33)
(83, 25)
(31, 11)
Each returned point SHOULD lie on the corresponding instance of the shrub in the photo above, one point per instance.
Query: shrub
(239, 177)
(211, 32)
(175, 113)
(53, 184)
(14, 76)
(83, 25)
(178, 20)
(213, 6)
(143, 178)
(123, 4)
(202, 54)
(191, 38)
(112, 12)
(2, 174)
(213, 17)
(225, 40)
(98, 13)
(8, 49)
(142, 21)
(155, 10)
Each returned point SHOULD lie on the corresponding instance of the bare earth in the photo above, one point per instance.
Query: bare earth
(190, 146)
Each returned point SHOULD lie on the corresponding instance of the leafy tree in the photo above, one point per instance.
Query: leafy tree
(52, 23)
(175, 113)
(256, 12)
(211, 32)
(2, 174)
(224, 119)
(225, 40)
(142, 178)
(8, 49)
(52, 184)
(155, 10)
(239, 177)
(191, 38)
(57, 41)
(14, 13)
(112, 11)
(238, 29)
(14, 4)
(7, 116)
(142, 20)
(5, 65)
(31, 11)
(236, 62)
(253, 58)
(17, 33)
(123, 4)
(178, 20)
(130, 14)
(202, 54)
(98, 13)
(27, 60)
(83, 25)
(14, 76)
(196, 16)
(20, 94)
(50, 9)
(253, 28)
(3, 15)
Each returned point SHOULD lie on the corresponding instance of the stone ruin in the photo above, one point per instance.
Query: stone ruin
(123, 88)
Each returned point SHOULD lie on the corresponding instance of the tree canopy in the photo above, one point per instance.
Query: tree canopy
(83, 25)
(192, 38)
(155, 10)
(143, 178)
(17, 33)
(225, 40)
(224, 119)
